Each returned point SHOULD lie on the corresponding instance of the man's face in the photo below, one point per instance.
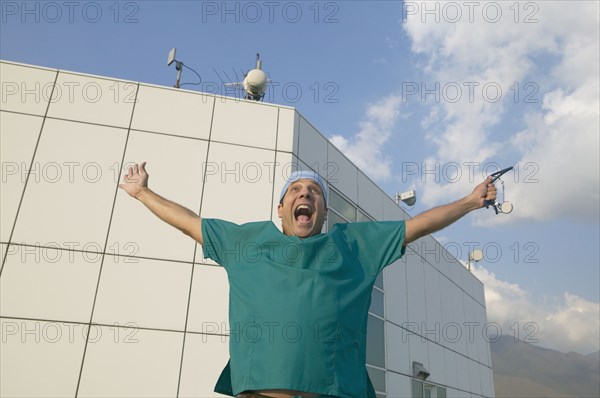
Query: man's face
(302, 210)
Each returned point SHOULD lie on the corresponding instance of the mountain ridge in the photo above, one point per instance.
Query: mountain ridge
(522, 369)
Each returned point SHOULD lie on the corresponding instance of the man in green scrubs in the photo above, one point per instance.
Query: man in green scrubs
(299, 299)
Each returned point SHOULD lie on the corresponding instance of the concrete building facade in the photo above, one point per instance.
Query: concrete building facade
(99, 298)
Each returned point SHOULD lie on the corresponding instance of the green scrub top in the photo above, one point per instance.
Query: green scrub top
(298, 307)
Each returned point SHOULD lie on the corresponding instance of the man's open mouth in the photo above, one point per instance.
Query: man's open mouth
(303, 214)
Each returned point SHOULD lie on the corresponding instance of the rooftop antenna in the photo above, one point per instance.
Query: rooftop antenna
(179, 67)
(476, 255)
(254, 83)
(258, 61)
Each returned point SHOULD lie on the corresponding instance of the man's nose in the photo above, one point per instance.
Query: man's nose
(305, 193)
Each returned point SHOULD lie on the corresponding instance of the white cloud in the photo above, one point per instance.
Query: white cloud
(564, 143)
(365, 147)
(560, 54)
(566, 323)
(577, 323)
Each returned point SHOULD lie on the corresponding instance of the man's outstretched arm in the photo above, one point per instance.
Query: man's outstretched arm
(135, 183)
(440, 217)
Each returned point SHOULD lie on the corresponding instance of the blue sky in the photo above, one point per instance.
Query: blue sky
(366, 74)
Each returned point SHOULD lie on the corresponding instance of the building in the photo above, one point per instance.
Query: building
(100, 298)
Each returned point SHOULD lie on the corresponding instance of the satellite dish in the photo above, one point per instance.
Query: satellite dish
(179, 67)
(476, 255)
(254, 83)
(171, 58)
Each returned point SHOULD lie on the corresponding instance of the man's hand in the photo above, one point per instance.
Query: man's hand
(484, 192)
(135, 183)
(135, 180)
(440, 217)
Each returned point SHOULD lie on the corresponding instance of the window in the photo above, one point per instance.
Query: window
(379, 281)
(360, 216)
(377, 378)
(377, 302)
(417, 388)
(342, 206)
(333, 218)
(375, 342)
(441, 392)
(427, 390)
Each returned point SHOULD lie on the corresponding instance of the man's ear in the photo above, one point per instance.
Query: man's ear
(280, 210)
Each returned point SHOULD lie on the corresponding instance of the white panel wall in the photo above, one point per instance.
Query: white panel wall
(137, 290)
(415, 275)
(459, 345)
(398, 386)
(34, 283)
(391, 211)
(475, 377)
(77, 251)
(238, 183)
(474, 331)
(40, 359)
(418, 349)
(131, 362)
(437, 363)
(17, 144)
(312, 147)
(26, 90)
(287, 130)
(172, 111)
(396, 301)
(474, 288)
(253, 125)
(209, 286)
(203, 359)
(487, 381)
(398, 358)
(483, 345)
(463, 367)
(341, 173)
(75, 180)
(370, 197)
(433, 301)
(452, 370)
(429, 249)
(93, 100)
(172, 163)
(3, 250)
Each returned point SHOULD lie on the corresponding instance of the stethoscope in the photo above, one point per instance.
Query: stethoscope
(504, 207)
